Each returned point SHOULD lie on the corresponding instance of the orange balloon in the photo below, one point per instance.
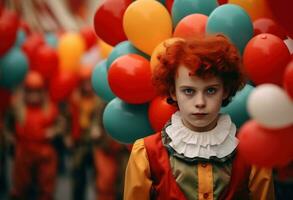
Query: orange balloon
(70, 48)
(193, 25)
(105, 49)
(255, 8)
(161, 48)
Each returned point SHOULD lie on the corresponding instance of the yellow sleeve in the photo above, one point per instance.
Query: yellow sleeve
(137, 176)
(261, 184)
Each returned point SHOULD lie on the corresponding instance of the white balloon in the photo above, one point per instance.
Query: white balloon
(270, 106)
(289, 44)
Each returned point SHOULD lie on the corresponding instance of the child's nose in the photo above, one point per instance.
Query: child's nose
(200, 101)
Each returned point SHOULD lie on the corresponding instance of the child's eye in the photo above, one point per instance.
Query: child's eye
(211, 90)
(188, 91)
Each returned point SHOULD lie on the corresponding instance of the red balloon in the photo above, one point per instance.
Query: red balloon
(62, 85)
(160, 112)
(169, 4)
(282, 11)
(265, 147)
(191, 26)
(24, 26)
(5, 96)
(31, 44)
(8, 30)
(108, 21)
(265, 58)
(130, 79)
(267, 25)
(89, 36)
(222, 2)
(45, 61)
(288, 79)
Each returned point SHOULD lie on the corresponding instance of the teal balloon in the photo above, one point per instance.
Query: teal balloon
(182, 8)
(121, 49)
(234, 22)
(237, 109)
(51, 39)
(13, 68)
(126, 122)
(20, 38)
(100, 82)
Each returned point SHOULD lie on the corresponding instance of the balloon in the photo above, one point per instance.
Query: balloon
(255, 8)
(89, 36)
(222, 1)
(161, 48)
(100, 82)
(265, 58)
(105, 49)
(51, 39)
(282, 11)
(289, 44)
(130, 79)
(237, 107)
(125, 122)
(31, 44)
(265, 147)
(288, 79)
(267, 25)
(160, 112)
(13, 68)
(277, 109)
(181, 8)
(20, 38)
(232, 21)
(193, 25)
(145, 29)
(62, 85)
(71, 47)
(108, 21)
(169, 5)
(45, 61)
(121, 49)
(8, 30)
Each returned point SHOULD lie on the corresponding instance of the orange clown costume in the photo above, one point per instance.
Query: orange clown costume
(34, 155)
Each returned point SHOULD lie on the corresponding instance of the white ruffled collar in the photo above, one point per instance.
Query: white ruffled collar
(219, 142)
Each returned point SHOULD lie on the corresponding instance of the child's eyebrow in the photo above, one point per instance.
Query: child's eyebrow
(191, 86)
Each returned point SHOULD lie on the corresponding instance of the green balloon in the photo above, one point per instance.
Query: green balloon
(182, 8)
(100, 82)
(126, 122)
(13, 68)
(237, 109)
(232, 21)
(121, 49)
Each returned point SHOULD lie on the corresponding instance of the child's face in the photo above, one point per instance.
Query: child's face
(199, 100)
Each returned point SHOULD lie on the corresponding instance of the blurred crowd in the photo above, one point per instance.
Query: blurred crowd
(38, 135)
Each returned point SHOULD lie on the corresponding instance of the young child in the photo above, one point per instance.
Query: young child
(195, 155)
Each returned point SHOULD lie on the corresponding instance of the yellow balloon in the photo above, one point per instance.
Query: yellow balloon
(70, 48)
(161, 48)
(255, 8)
(146, 23)
(105, 49)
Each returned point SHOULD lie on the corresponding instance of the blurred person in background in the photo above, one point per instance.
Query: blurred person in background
(35, 159)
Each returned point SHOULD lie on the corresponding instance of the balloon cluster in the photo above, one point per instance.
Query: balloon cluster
(137, 35)
(56, 57)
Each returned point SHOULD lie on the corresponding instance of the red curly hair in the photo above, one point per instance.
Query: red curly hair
(211, 55)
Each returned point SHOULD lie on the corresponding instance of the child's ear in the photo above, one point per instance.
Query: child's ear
(173, 95)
